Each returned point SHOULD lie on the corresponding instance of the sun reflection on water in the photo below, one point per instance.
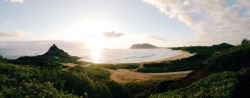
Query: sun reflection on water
(96, 55)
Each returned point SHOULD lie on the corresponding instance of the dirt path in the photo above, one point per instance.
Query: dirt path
(126, 76)
(73, 65)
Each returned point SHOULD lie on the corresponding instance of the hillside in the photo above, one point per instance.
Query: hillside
(232, 60)
(56, 52)
(142, 46)
(219, 71)
(52, 58)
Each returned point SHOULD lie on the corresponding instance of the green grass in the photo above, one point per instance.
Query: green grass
(216, 85)
(97, 74)
(117, 66)
(231, 59)
(184, 64)
(203, 53)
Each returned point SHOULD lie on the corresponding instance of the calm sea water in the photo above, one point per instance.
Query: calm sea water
(113, 56)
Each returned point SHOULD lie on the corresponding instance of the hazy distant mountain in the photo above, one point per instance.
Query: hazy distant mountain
(143, 46)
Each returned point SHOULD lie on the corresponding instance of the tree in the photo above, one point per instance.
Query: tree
(244, 41)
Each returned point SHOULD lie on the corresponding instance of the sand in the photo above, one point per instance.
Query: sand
(126, 76)
(123, 76)
(183, 54)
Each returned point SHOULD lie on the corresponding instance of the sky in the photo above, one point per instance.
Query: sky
(117, 24)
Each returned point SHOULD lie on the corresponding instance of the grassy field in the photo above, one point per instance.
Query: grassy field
(116, 66)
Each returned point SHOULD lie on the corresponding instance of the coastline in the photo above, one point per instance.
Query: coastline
(124, 76)
(183, 54)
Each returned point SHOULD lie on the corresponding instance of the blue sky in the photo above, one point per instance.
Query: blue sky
(120, 23)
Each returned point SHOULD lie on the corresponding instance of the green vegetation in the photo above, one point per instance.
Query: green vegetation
(231, 81)
(52, 58)
(216, 85)
(28, 81)
(42, 76)
(117, 66)
(202, 53)
(141, 89)
(94, 73)
(184, 64)
(214, 76)
(206, 50)
(232, 59)
(35, 81)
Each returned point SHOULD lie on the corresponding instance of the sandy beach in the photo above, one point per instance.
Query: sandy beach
(126, 76)
(183, 54)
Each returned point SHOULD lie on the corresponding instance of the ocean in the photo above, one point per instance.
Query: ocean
(108, 56)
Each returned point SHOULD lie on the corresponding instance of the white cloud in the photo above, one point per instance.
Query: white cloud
(213, 20)
(14, 33)
(15, 1)
(112, 34)
(156, 37)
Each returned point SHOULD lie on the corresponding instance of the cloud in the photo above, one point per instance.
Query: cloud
(43, 44)
(213, 20)
(156, 37)
(10, 22)
(112, 34)
(15, 33)
(15, 1)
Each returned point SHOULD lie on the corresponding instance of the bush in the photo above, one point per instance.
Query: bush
(216, 85)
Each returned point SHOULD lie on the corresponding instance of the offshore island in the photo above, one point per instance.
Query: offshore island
(143, 46)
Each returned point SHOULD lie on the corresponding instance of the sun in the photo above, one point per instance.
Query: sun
(96, 43)
(91, 32)
(94, 28)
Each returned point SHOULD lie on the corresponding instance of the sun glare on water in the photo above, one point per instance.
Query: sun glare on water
(96, 55)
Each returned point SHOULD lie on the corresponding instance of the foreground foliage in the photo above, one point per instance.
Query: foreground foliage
(216, 85)
(33, 81)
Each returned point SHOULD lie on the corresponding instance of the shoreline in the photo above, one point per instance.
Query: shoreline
(183, 54)
(124, 76)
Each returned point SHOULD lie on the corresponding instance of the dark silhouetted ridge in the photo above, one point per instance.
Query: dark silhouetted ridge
(55, 51)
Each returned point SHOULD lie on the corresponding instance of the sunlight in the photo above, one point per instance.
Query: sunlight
(97, 26)
(91, 32)
(96, 42)
(96, 55)
(94, 29)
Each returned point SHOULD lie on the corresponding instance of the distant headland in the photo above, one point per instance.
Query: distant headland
(143, 46)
